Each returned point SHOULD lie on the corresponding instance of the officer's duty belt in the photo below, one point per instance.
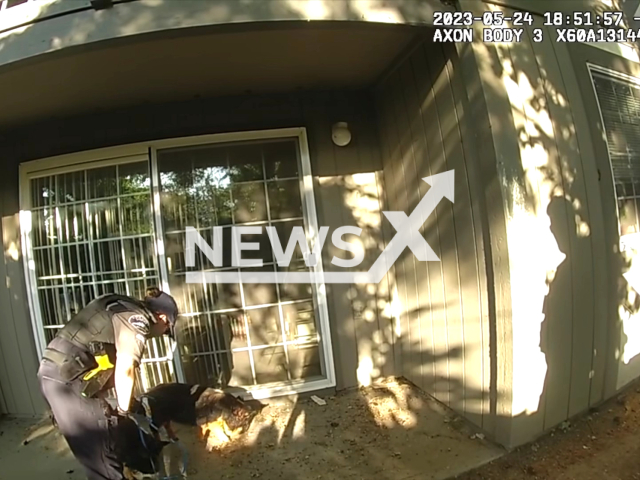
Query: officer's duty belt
(55, 356)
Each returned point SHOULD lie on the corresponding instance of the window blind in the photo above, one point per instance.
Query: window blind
(620, 107)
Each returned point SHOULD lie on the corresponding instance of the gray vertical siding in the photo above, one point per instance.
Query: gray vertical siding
(610, 372)
(347, 186)
(4, 377)
(571, 337)
(444, 344)
(19, 365)
(572, 174)
(347, 193)
(541, 134)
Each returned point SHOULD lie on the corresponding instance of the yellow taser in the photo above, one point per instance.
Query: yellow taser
(103, 364)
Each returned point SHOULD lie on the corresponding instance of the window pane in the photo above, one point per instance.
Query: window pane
(237, 325)
(304, 361)
(47, 262)
(70, 187)
(270, 364)
(264, 326)
(140, 255)
(262, 243)
(281, 159)
(108, 256)
(299, 321)
(102, 182)
(134, 178)
(628, 219)
(245, 163)
(51, 312)
(76, 260)
(284, 199)
(250, 204)
(295, 291)
(259, 294)
(41, 192)
(241, 374)
(72, 223)
(222, 296)
(285, 231)
(136, 215)
(105, 219)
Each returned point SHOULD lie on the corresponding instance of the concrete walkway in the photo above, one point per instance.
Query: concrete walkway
(390, 431)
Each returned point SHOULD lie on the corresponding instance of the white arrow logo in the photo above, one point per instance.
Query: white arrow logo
(407, 235)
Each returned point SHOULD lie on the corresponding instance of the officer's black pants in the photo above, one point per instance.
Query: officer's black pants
(83, 423)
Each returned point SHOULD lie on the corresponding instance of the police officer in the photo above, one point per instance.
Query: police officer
(98, 349)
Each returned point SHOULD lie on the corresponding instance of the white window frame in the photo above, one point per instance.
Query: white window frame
(125, 153)
(622, 77)
(55, 166)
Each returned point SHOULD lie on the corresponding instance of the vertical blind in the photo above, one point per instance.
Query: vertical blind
(620, 107)
(619, 102)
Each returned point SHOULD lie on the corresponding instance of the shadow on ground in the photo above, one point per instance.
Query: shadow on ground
(390, 430)
(32, 449)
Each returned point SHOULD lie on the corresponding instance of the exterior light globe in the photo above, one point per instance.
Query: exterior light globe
(340, 134)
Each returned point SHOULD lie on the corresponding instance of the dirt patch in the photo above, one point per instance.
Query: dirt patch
(602, 445)
(388, 431)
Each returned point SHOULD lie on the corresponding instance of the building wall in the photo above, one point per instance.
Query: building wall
(347, 186)
(3, 401)
(622, 336)
(525, 248)
(348, 180)
(19, 364)
(511, 328)
(443, 314)
(550, 230)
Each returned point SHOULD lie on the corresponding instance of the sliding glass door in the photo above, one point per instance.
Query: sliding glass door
(115, 220)
(239, 334)
(91, 233)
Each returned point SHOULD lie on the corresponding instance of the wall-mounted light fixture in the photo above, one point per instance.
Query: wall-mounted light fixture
(340, 134)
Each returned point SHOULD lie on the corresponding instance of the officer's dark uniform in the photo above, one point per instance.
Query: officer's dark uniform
(109, 324)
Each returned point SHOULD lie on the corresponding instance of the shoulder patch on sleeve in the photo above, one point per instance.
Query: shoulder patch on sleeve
(140, 323)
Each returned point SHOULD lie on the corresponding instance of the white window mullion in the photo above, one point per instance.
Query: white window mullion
(171, 345)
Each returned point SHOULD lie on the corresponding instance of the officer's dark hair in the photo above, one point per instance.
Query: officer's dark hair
(153, 292)
(161, 303)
